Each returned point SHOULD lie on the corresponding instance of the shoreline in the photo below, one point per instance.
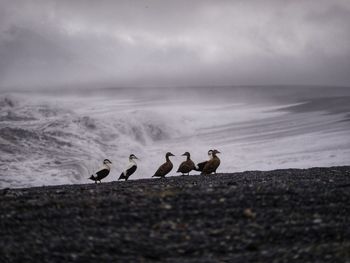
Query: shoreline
(89, 182)
(279, 215)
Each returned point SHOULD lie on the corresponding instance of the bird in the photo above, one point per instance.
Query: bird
(199, 167)
(165, 168)
(130, 169)
(212, 165)
(186, 166)
(103, 172)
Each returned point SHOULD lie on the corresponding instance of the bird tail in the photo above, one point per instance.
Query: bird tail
(92, 177)
(200, 166)
(122, 176)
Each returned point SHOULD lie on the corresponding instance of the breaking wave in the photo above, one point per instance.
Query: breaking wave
(45, 144)
(46, 140)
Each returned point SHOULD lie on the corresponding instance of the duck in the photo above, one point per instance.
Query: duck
(186, 166)
(165, 168)
(212, 165)
(103, 172)
(130, 169)
(199, 167)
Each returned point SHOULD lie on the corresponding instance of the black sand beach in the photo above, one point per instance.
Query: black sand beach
(275, 216)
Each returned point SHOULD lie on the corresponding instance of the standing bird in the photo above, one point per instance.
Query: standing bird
(165, 168)
(199, 167)
(186, 166)
(103, 172)
(130, 169)
(212, 165)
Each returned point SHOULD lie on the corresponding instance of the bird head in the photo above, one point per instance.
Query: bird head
(215, 152)
(132, 157)
(186, 154)
(169, 154)
(106, 161)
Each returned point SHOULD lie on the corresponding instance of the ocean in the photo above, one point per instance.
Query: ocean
(50, 137)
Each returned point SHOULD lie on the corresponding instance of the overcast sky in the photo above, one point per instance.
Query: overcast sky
(144, 43)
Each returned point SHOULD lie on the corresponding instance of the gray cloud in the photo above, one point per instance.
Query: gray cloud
(140, 43)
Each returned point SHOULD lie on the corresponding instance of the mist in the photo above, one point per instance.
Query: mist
(52, 44)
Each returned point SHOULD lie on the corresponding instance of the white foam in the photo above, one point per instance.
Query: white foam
(58, 140)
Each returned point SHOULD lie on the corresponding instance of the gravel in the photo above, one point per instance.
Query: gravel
(300, 215)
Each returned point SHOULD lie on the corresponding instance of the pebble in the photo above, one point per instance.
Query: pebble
(167, 206)
(317, 221)
(248, 213)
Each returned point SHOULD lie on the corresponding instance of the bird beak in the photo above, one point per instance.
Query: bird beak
(183, 154)
(172, 155)
(137, 158)
(218, 152)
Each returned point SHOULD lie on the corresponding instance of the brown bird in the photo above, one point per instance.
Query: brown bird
(199, 167)
(212, 165)
(165, 168)
(186, 166)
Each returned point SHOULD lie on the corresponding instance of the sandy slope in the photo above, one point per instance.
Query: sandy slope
(282, 215)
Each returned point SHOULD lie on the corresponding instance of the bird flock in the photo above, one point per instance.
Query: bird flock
(207, 167)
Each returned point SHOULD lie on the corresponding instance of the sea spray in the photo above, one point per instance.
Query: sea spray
(50, 139)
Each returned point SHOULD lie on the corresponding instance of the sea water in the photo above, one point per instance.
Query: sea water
(53, 137)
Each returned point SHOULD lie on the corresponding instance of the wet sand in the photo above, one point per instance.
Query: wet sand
(274, 216)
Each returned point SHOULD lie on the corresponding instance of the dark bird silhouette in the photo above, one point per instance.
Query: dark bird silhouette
(212, 165)
(186, 166)
(165, 168)
(130, 169)
(103, 172)
(199, 167)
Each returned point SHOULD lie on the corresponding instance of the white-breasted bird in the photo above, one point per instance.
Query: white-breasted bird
(130, 169)
(103, 172)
